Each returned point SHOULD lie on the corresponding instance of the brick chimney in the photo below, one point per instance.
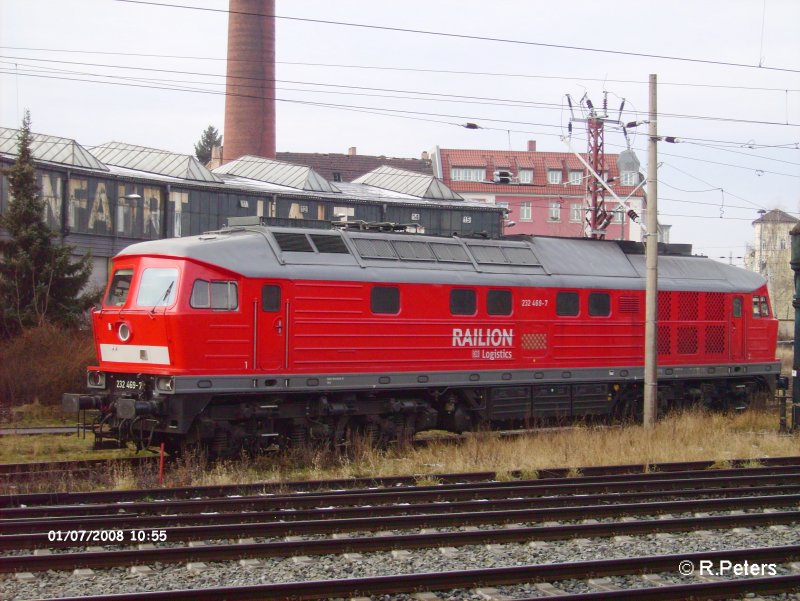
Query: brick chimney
(531, 145)
(216, 158)
(352, 151)
(250, 81)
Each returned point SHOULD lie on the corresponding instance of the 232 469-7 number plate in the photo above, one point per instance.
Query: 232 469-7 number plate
(129, 385)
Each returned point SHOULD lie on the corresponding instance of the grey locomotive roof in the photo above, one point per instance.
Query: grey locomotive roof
(294, 253)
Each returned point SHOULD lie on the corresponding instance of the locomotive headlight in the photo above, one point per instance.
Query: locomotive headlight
(165, 384)
(96, 379)
(124, 332)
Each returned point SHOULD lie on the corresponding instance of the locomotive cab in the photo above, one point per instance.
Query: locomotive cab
(159, 318)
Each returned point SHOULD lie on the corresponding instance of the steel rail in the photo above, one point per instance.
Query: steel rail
(407, 583)
(370, 544)
(431, 520)
(168, 518)
(675, 469)
(484, 490)
(67, 466)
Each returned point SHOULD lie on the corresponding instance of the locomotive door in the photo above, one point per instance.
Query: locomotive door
(737, 329)
(272, 325)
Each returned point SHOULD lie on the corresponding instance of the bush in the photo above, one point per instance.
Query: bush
(41, 364)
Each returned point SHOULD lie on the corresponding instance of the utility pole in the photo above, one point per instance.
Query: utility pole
(651, 262)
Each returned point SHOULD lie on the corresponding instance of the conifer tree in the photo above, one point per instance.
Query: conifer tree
(39, 279)
(207, 142)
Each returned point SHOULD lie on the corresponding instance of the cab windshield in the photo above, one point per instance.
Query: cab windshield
(120, 286)
(157, 288)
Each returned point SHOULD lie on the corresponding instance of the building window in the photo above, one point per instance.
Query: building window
(337, 177)
(526, 176)
(342, 213)
(575, 177)
(525, 211)
(554, 176)
(385, 299)
(555, 211)
(467, 174)
(629, 178)
(576, 212)
(462, 301)
(618, 214)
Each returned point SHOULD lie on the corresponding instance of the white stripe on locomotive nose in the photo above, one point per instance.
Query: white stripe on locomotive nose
(131, 353)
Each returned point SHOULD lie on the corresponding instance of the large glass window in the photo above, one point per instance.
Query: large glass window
(120, 286)
(157, 287)
(222, 295)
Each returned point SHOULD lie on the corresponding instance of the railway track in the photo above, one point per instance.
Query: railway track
(557, 532)
(15, 473)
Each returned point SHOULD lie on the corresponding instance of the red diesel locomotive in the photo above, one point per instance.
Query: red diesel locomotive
(261, 336)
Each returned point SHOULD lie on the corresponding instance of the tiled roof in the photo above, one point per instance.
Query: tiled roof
(350, 167)
(540, 162)
(51, 149)
(776, 216)
(152, 160)
(277, 172)
(407, 182)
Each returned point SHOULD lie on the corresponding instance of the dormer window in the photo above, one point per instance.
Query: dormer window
(467, 174)
(526, 176)
(554, 176)
(629, 178)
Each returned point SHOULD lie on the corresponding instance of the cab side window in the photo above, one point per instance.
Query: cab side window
(219, 295)
(120, 286)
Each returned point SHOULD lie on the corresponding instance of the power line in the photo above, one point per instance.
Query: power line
(463, 36)
(538, 104)
(404, 69)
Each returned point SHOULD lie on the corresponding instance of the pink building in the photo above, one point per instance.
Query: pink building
(545, 192)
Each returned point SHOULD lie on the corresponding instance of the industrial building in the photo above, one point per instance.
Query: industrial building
(118, 194)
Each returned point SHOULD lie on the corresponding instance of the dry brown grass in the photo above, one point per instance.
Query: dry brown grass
(688, 436)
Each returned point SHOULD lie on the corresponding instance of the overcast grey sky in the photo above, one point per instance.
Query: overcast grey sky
(742, 154)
